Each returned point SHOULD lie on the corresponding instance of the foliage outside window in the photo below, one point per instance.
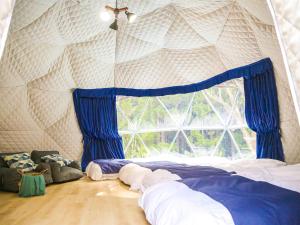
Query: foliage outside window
(206, 123)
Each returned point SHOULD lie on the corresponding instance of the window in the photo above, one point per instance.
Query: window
(206, 123)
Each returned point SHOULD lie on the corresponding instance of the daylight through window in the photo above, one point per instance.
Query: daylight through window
(205, 123)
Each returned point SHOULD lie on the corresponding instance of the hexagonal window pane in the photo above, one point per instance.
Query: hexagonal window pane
(158, 142)
(223, 99)
(126, 140)
(123, 123)
(203, 141)
(181, 146)
(246, 140)
(132, 109)
(177, 105)
(201, 114)
(136, 148)
(155, 117)
(227, 148)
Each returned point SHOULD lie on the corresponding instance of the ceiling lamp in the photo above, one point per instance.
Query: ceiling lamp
(105, 15)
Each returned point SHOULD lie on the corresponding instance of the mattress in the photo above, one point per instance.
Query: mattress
(273, 199)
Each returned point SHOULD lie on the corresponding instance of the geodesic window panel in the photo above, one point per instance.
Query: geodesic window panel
(206, 123)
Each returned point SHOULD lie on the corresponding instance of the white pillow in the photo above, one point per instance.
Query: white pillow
(94, 171)
(158, 176)
(133, 175)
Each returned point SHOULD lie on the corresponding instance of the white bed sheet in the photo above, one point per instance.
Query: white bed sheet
(173, 203)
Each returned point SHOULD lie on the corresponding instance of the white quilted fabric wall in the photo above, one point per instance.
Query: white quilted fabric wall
(57, 45)
(287, 17)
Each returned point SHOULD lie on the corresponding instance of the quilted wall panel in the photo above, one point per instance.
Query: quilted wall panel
(287, 16)
(57, 45)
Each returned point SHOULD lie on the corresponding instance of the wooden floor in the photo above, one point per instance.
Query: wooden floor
(81, 202)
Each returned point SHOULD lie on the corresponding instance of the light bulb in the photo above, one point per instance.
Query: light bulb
(130, 16)
(105, 16)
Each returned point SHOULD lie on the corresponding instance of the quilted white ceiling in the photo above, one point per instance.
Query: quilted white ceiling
(57, 45)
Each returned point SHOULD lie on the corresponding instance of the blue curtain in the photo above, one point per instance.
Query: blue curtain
(97, 117)
(262, 114)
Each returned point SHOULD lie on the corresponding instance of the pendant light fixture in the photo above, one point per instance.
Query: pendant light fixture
(105, 15)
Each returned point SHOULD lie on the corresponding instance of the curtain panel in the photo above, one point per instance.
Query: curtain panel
(262, 114)
(97, 118)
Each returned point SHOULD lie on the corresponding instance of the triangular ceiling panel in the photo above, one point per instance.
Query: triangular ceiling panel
(237, 44)
(258, 9)
(42, 30)
(151, 27)
(155, 65)
(182, 36)
(144, 7)
(30, 11)
(101, 47)
(33, 60)
(59, 77)
(266, 37)
(131, 48)
(208, 25)
(78, 22)
(195, 65)
(202, 7)
(89, 71)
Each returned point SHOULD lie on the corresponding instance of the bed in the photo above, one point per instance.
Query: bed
(243, 192)
(102, 169)
(271, 196)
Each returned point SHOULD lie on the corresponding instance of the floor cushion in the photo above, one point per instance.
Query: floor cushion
(62, 174)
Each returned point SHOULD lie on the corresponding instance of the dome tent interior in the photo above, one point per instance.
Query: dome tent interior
(51, 49)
